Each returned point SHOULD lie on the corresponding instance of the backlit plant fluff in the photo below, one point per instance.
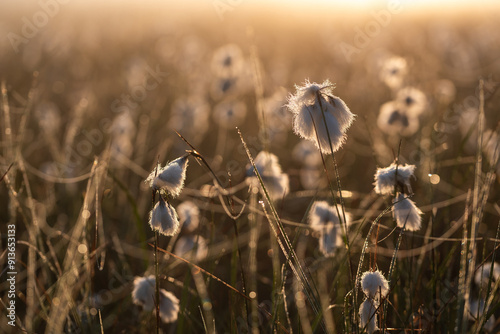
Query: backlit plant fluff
(413, 99)
(144, 291)
(368, 316)
(406, 213)
(189, 216)
(375, 287)
(143, 295)
(394, 71)
(163, 218)
(319, 116)
(395, 119)
(169, 179)
(275, 181)
(386, 179)
(374, 284)
(193, 247)
(169, 306)
(323, 218)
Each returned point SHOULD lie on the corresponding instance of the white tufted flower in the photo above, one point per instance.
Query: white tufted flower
(315, 118)
(169, 179)
(163, 218)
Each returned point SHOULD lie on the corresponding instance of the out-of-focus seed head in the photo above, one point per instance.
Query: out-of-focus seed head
(406, 213)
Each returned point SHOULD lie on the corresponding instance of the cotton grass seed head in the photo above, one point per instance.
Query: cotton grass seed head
(374, 284)
(163, 218)
(143, 292)
(368, 315)
(319, 116)
(191, 247)
(323, 219)
(330, 239)
(386, 179)
(406, 213)
(189, 216)
(394, 119)
(169, 306)
(143, 295)
(394, 71)
(169, 179)
(322, 214)
(227, 60)
(275, 181)
(413, 99)
(229, 114)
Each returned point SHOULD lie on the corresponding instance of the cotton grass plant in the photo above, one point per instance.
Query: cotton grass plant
(163, 219)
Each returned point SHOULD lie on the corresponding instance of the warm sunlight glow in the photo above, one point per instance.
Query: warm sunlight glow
(372, 4)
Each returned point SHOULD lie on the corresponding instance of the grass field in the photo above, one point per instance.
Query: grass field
(270, 234)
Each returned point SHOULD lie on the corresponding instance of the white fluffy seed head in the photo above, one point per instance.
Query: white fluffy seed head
(192, 247)
(341, 112)
(189, 215)
(322, 214)
(413, 99)
(374, 284)
(325, 135)
(387, 178)
(330, 239)
(163, 218)
(169, 179)
(143, 295)
(368, 316)
(169, 306)
(143, 292)
(393, 72)
(394, 119)
(323, 218)
(275, 181)
(406, 213)
(319, 116)
(227, 60)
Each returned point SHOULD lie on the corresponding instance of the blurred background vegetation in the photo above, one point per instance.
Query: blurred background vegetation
(86, 80)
